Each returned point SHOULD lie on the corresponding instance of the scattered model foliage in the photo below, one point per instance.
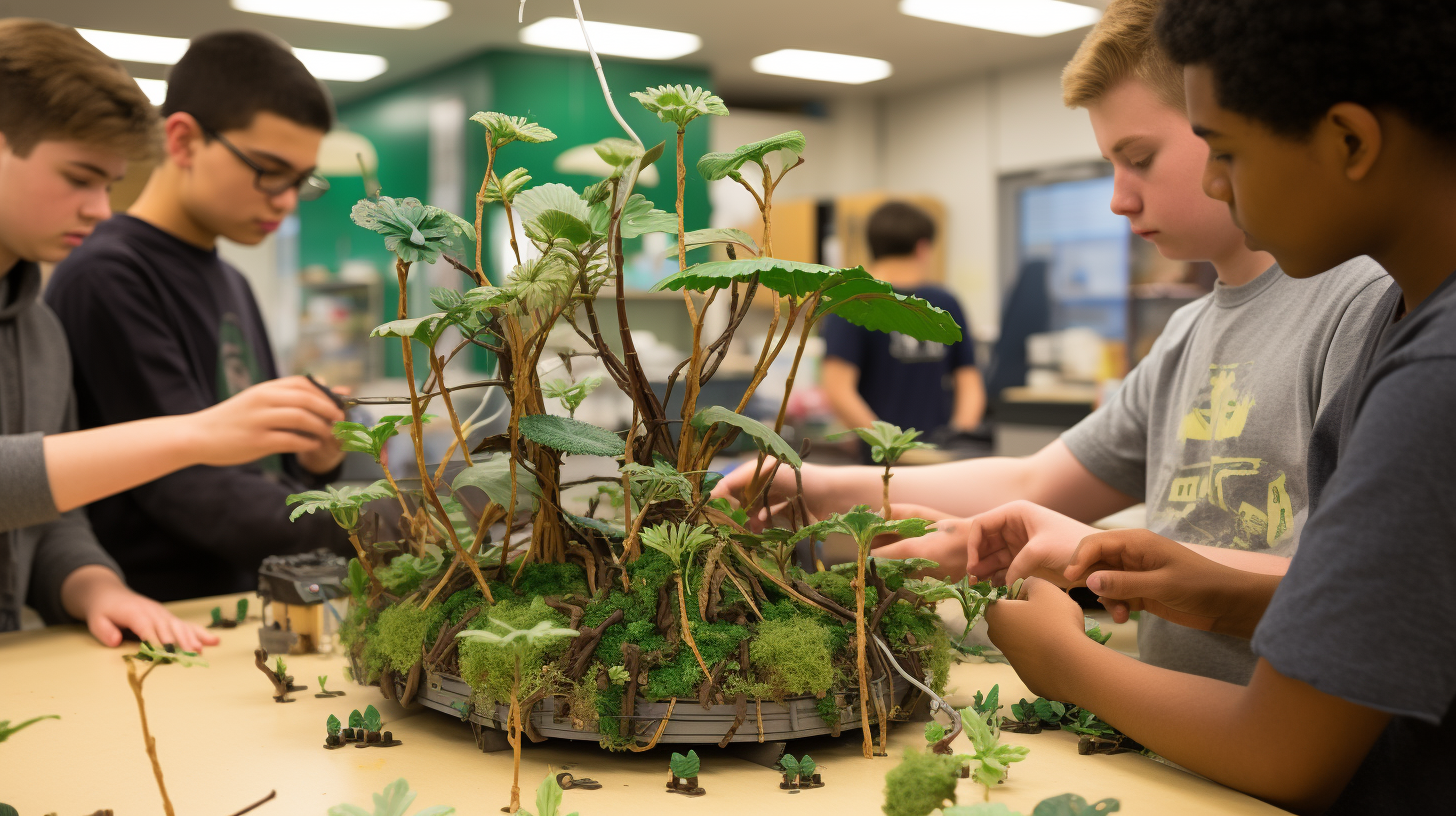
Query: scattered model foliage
(6, 729)
(1068, 804)
(548, 799)
(394, 801)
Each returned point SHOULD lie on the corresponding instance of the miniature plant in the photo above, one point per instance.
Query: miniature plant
(6, 729)
(921, 783)
(990, 759)
(571, 394)
(1094, 631)
(394, 801)
(344, 504)
(988, 705)
(864, 527)
(1068, 804)
(798, 772)
(217, 616)
(618, 675)
(323, 678)
(371, 439)
(679, 542)
(242, 610)
(548, 799)
(332, 725)
(356, 720)
(684, 769)
(518, 641)
(154, 657)
(887, 444)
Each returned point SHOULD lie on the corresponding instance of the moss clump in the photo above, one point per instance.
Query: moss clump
(489, 667)
(835, 587)
(791, 656)
(560, 580)
(828, 711)
(920, 784)
(681, 676)
(400, 638)
(937, 660)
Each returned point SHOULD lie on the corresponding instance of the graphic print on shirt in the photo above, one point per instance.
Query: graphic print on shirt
(1215, 482)
(907, 349)
(237, 366)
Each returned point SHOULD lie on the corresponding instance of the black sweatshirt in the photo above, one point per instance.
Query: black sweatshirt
(158, 326)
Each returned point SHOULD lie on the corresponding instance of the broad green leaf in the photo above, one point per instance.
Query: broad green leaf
(571, 436)
(332, 724)
(875, 305)
(571, 394)
(180, 657)
(763, 436)
(680, 104)
(658, 482)
(685, 766)
(344, 503)
(493, 477)
(790, 278)
(618, 675)
(807, 766)
(503, 129)
(619, 153)
(582, 522)
(718, 235)
(714, 166)
(864, 526)
(548, 797)
(539, 283)
(6, 729)
(412, 230)
(512, 183)
(638, 217)
(426, 329)
(790, 765)
(555, 225)
(1070, 804)
(541, 198)
(887, 441)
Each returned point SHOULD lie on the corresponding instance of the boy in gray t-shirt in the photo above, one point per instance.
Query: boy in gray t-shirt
(1210, 428)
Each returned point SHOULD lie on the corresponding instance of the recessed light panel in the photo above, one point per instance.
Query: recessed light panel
(407, 14)
(610, 38)
(822, 66)
(1029, 18)
(335, 65)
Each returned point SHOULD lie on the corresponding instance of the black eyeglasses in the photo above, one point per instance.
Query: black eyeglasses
(309, 184)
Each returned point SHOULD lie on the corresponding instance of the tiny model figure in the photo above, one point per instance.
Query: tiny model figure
(683, 771)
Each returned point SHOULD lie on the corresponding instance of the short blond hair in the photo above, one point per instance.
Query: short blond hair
(1122, 45)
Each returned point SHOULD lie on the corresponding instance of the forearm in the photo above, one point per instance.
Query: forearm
(1249, 738)
(850, 408)
(83, 466)
(1262, 563)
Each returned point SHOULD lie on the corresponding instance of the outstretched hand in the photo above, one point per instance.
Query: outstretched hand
(97, 595)
(287, 415)
(1140, 570)
(1022, 539)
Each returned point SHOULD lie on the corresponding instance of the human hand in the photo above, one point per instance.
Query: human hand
(1140, 570)
(945, 544)
(817, 493)
(287, 415)
(1021, 539)
(1039, 633)
(97, 595)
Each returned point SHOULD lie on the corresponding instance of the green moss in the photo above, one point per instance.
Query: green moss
(938, 660)
(792, 656)
(351, 629)
(836, 588)
(920, 784)
(828, 711)
(401, 635)
(489, 668)
(552, 579)
(681, 676)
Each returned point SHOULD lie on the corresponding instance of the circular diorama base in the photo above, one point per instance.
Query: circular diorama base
(690, 723)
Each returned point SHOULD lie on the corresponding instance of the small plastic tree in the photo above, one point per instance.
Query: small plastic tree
(685, 767)
(242, 610)
(548, 798)
(332, 726)
(345, 504)
(887, 444)
(679, 542)
(990, 759)
(372, 721)
(864, 527)
(153, 658)
(519, 642)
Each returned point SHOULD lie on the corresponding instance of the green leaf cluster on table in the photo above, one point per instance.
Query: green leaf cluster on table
(412, 230)
(1067, 804)
(571, 436)
(344, 503)
(548, 799)
(989, 758)
(394, 801)
(6, 729)
(180, 657)
(767, 440)
(332, 725)
(685, 766)
(798, 769)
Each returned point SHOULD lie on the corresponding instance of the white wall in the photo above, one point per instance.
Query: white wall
(952, 142)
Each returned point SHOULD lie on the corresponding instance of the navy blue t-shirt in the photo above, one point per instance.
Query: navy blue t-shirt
(904, 381)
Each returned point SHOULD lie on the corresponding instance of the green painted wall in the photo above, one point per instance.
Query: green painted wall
(558, 91)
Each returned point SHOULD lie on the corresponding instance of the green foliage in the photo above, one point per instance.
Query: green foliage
(511, 183)
(1087, 723)
(718, 235)
(394, 801)
(685, 767)
(242, 610)
(794, 279)
(618, 675)
(371, 719)
(217, 614)
(990, 759)
(413, 231)
(356, 720)
(659, 482)
(714, 166)
(921, 783)
(638, 218)
(493, 477)
(402, 631)
(6, 729)
(1094, 631)
(501, 129)
(865, 526)
(934, 731)
(677, 541)
(539, 283)
(344, 503)
(370, 439)
(279, 667)
(357, 582)
(680, 104)
(406, 572)
(792, 656)
(618, 153)
(557, 212)
(562, 580)
(181, 657)
(876, 306)
(323, 679)
(828, 711)
(790, 766)
(1049, 711)
(571, 394)
(548, 799)
(571, 436)
(528, 631)
(888, 442)
(426, 329)
(582, 523)
(767, 440)
(332, 725)
(807, 766)
(1070, 804)
(989, 704)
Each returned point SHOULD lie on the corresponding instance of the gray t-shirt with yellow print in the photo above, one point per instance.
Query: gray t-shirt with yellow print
(1212, 428)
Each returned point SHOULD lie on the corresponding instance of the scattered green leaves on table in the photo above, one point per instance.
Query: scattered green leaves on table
(394, 801)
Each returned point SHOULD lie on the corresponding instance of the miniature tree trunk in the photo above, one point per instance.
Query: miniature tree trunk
(513, 732)
(885, 508)
(364, 562)
(859, 631)
(136, 688)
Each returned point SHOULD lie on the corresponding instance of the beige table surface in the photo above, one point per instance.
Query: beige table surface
(223, 743)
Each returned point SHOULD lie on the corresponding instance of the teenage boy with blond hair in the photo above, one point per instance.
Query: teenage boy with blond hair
(70, 119)
(1210, 429)
(1321, 158)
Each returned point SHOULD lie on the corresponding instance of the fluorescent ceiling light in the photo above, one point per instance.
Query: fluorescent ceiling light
(335, 65)
(155, 89)
(610, 38)
(823, 66)
(1029, 18)
(410, 14)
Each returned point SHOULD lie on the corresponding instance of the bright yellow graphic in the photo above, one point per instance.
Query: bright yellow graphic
(1214, 496)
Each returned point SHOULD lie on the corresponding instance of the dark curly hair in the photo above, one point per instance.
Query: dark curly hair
(1284, 63)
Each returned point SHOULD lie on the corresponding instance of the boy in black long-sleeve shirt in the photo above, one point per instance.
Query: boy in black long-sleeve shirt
(159, 324)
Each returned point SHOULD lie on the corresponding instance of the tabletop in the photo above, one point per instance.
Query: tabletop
(223, 744)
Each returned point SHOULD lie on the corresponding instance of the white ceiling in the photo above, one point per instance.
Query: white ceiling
(924, 53)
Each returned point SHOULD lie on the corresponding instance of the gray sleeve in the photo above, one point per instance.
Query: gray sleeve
(65, 545)
(1353, 333)
(25, 490)
(1112, 443)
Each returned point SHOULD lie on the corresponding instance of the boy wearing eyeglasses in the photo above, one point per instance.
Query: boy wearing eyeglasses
(159, 324)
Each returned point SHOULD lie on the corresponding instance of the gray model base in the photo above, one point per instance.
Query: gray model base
(795, 718)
